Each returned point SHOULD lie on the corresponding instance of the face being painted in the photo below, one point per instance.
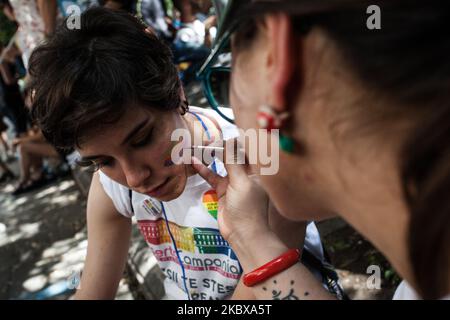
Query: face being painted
(136, 152)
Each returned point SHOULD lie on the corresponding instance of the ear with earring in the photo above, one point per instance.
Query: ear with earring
(269, 120)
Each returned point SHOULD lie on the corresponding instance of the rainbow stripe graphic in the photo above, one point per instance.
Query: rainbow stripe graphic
(206, 240)
(210, 201)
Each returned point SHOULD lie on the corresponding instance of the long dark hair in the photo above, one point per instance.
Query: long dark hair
(406, 61)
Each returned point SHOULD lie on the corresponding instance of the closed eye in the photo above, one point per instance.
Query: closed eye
(143, 141)
(93, 166)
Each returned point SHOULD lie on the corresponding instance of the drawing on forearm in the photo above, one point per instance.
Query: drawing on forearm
(278, 295)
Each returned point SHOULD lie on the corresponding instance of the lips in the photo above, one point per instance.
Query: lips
(159, 190)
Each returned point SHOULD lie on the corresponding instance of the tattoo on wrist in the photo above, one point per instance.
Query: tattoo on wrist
(279, 295)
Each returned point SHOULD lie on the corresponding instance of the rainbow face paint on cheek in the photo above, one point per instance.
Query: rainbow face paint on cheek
(168, 163)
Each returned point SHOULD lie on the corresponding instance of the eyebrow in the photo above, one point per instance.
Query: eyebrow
(127, 138)
(134, 131)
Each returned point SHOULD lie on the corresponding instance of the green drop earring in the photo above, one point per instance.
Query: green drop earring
(287, 144)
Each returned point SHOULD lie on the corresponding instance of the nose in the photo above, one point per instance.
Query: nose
(136, 175)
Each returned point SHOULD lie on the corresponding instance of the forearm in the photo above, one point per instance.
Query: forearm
(104, 269)
(109, 237)
(292, 239)
(100, 284)
(293, 283)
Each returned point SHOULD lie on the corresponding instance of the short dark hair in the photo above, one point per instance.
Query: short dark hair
(89, 77)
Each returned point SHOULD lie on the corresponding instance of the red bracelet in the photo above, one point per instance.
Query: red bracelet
(277, 265)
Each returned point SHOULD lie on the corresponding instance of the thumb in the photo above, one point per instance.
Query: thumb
(235, 162)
